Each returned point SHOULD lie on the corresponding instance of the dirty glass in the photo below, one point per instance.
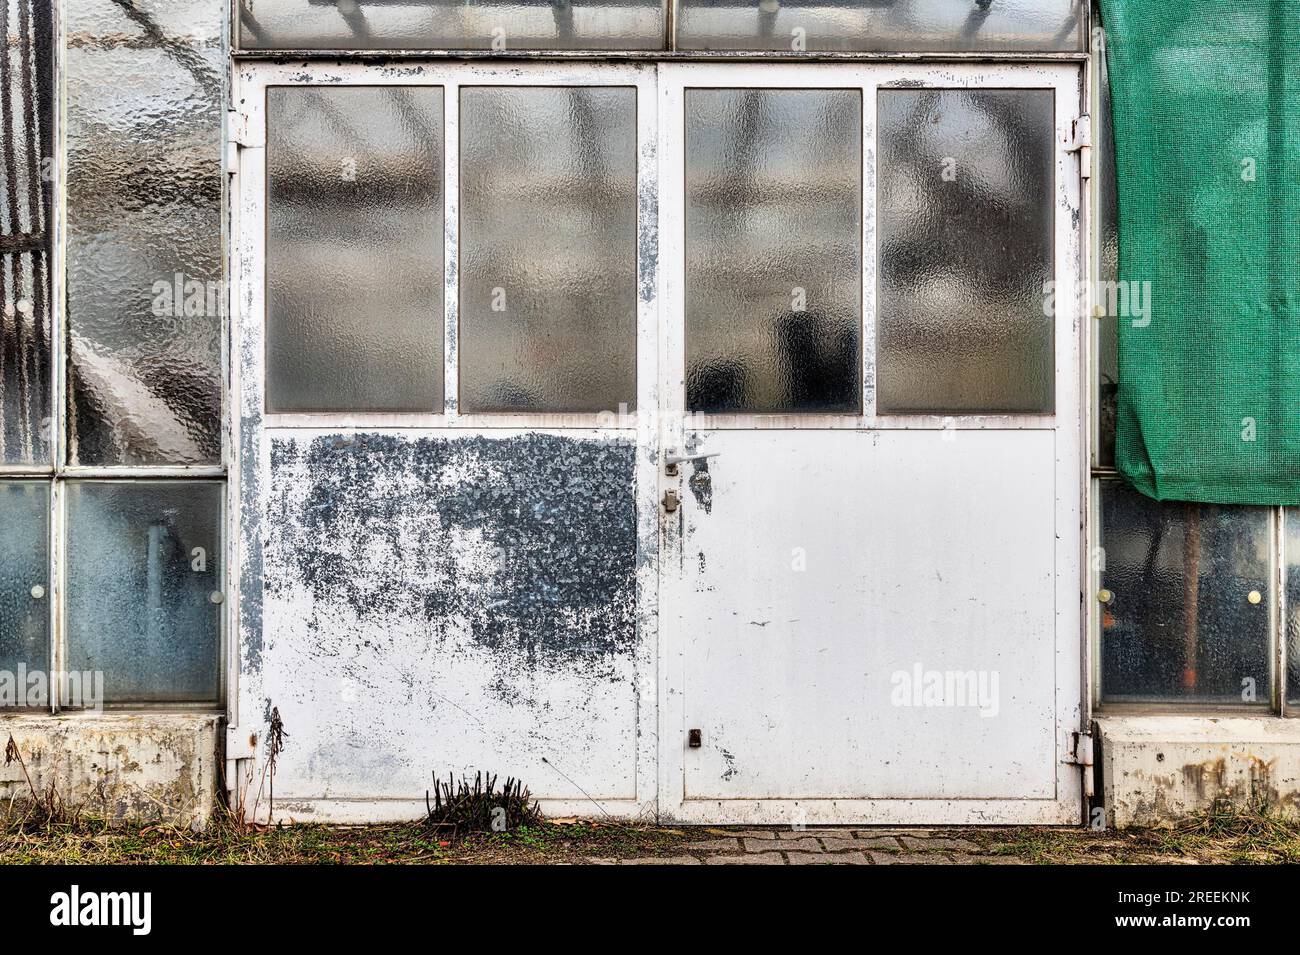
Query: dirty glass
(144, 588)
(1106, 322)
(965, 205)
(1292, 545)
(773, 250)
(145, 287)
(24, 576)
(547, 248)
(354, 259)
(500, 25)
(26, 369)
(793, 26)
(1185, 600)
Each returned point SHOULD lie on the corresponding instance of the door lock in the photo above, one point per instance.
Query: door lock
(671, 500)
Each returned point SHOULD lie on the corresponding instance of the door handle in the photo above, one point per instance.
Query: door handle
(683, 458)
(672, 460)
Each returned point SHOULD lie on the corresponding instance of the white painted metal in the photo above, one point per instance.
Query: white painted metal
(365, 752)
(987, 502)
(828, 562)
(957, 551)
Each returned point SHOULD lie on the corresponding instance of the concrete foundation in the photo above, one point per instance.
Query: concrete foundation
(1155, 770)
(155, 767)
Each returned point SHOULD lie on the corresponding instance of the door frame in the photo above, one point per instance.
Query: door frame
(1066, 81)
(657, 426)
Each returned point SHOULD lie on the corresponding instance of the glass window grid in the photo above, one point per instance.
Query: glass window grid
(55, 581)
(837, 26)
(55, 472)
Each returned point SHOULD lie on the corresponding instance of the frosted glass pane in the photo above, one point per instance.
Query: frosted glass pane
(145, 286)
(547, 248)
(26, 371)
(501, 25)
(966, 198)
(24, 564)
(143, 566)
(354, 249)
(773, 250)
(881, 25)
(1180, 624)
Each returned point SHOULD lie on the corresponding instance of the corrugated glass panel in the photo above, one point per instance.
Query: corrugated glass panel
(500, 25)
(144, 588)
(24, 578)
(1106, 323)
(548, 223)
(1292, 543)
(1186, 614)
(26, 96)
(354, 249)
(796, 26)
(145, 289)
(966, 205)
(773, 250)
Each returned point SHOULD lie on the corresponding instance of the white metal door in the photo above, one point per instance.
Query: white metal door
(866, 616)
(378, 693)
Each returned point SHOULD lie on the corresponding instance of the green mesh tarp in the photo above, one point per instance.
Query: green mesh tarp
(1206, 104)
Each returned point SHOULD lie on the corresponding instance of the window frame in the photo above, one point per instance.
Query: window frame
(1061, 78)
(249, 273)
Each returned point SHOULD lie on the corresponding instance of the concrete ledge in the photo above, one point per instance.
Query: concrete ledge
(1156, 770)
(119, 766)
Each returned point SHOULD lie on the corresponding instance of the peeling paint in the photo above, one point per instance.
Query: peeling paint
(531, 539)
(250, 584)
(701, 484)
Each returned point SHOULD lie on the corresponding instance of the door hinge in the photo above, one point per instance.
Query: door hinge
(241, 743)
(1080, 750)
(238, 136)
(1081, 143)
(671, 500)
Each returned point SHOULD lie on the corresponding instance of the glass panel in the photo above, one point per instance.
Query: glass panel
(773, 250)
(547, 248)
(1180, 623)
(24, 582)
(144, 588)
(354, 249)
(965, 232)
(25, 366)
(500, 25)
(880, 25)
(1106, 328)
(145, 289)
(1292, 543)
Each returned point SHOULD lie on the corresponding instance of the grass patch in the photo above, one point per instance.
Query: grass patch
(225, 841)
(1223, 834)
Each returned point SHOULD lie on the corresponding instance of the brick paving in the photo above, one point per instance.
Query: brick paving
(837, 846)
